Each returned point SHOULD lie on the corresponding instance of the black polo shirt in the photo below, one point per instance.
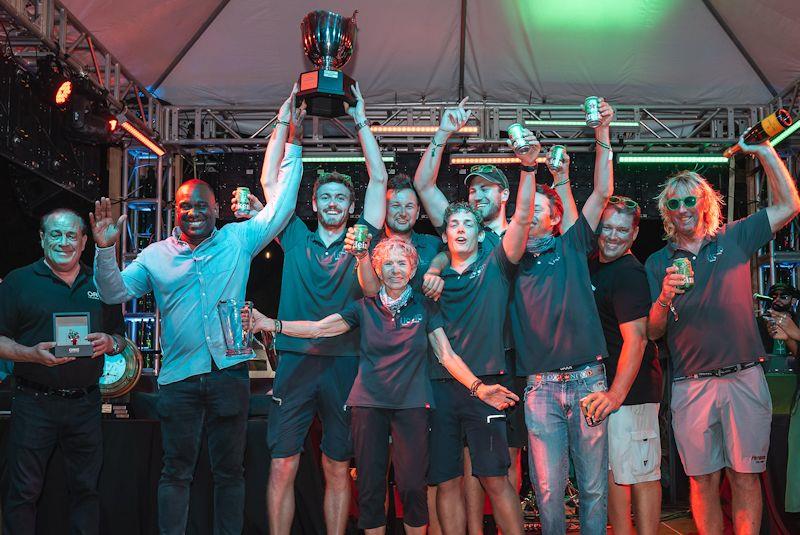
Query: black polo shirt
(553, 314)
(474, 306)
(622, 295)
(393, 351)
(716, 326)
(317, 281)
(29, 297)
(427, 246)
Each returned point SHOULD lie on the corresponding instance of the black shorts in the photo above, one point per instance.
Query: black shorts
(459, 415)
(304, 386)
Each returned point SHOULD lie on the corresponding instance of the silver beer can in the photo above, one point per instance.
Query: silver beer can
(516, 133)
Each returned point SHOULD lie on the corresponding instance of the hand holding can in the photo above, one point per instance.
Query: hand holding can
(516, 133)
(242, 201)
(592, 108)
(684, 267)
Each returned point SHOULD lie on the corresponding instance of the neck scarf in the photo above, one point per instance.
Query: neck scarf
(394, 305)
(539, 245)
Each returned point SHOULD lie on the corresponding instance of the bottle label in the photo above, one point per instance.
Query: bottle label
(772, 125)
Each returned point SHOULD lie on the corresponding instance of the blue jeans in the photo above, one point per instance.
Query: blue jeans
(217, 401)
(556, 430)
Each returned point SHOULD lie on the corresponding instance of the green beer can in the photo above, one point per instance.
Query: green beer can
(516, 132)
(360, 235)
(556, 156)
(684, 266)
(243, 199)
(592, 108)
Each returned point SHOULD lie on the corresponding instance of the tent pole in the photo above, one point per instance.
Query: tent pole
(462, 50)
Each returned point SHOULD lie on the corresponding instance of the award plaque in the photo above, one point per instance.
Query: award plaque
(70, 330)
(328, 42)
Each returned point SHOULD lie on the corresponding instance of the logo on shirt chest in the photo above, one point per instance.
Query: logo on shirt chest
(93, 295)
(476, 273)
(712, 255)
(405, 321)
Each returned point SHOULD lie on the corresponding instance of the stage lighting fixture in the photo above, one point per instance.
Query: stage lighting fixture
(786, 133)
(400, 130)
(332, 158)
(488, 159)
(57, 87)
(671, 158)
(140, 136)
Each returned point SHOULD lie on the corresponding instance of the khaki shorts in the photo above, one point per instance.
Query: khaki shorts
(723, 422)
(634, 444)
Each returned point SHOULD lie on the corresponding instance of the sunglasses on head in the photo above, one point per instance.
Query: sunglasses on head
(623, 201)
(485, 168)
(690, 201)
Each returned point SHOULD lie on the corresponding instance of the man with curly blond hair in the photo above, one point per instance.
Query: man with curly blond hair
(721, 408)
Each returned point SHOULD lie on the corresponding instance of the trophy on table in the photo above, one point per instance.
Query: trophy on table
(328, 42)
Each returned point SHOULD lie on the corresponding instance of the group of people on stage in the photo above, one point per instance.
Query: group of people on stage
(531, 331)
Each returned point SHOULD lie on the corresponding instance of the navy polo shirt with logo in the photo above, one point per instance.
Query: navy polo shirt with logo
(393, 350)
(29, 297)
(716, 326)
(474, 306)
(317, 281)
(427, 246)
(554, 317)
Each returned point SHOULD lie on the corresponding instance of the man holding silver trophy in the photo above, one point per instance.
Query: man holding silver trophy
(203, 389)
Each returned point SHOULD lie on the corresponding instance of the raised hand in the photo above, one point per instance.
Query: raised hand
(670, 285)
(296, 124)
(497, 396)
(286, 110)
(453, 119)
(560, 173)
(606, 114)
(529, 157)
(350, 242)
(359, 111)
(255, 206)
(104, 229)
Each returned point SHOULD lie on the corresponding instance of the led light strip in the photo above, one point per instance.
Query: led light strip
(407, 130)
(342, 159)
(489, 160)
(670, 158)
(143, 139)
(786, 133)
(554, 122)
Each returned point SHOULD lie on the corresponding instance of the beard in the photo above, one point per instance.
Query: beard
(332, 220)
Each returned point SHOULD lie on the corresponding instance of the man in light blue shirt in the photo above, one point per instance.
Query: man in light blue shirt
(189, 273)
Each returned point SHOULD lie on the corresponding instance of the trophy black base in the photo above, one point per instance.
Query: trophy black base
(325, 91)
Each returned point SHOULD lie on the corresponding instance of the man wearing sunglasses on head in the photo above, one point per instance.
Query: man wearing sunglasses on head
(633, 373)
(721, 408)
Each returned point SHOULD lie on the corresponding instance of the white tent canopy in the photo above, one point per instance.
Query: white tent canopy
(248, 52)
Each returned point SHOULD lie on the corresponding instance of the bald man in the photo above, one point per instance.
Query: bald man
(202, 391)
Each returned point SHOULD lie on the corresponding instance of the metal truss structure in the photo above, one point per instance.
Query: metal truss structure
(408, 127)
(34, 28)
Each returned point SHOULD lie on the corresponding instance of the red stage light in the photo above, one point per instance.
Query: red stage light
(143, 139)
(63, 92)
(112, 124)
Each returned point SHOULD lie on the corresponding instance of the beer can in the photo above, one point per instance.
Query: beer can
(592, 108)
(360, 235)
(684, 266)
(243, 198)
(590, 421)
(517, 136)
(556, 156)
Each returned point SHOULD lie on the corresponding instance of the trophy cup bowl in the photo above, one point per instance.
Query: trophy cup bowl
(328, 42)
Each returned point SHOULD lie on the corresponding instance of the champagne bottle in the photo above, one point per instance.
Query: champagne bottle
(770, 126)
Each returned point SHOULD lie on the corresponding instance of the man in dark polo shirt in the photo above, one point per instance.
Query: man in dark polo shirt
(474, 305)
(56, 400)
(402, 212)
(721, 406)
(633, 373)
(319, 279)
(559, 341)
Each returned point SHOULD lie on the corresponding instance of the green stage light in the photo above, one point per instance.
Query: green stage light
(671, 158)
(578, 123)
(786, 133)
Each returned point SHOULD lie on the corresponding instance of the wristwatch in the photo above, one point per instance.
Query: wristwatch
(528, 168)
(115, 349)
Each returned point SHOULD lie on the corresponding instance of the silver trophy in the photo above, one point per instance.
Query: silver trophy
(328, 42)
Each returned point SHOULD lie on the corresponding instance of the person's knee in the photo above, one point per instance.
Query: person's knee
(706, 482)
(337, 473)
(283, 470)
(450, 486)
(494, 485)
(744, 482)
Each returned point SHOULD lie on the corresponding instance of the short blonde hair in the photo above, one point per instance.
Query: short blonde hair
(709, 202)
(387, 245)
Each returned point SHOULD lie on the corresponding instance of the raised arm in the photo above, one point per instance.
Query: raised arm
(497, 396)
(516, 235)
(603, 168)
(375, 196)
(367, 278)
(432, 198)
(113, 285)
(563, 188)
(332, 325)
(275, 147)
(785, 203)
